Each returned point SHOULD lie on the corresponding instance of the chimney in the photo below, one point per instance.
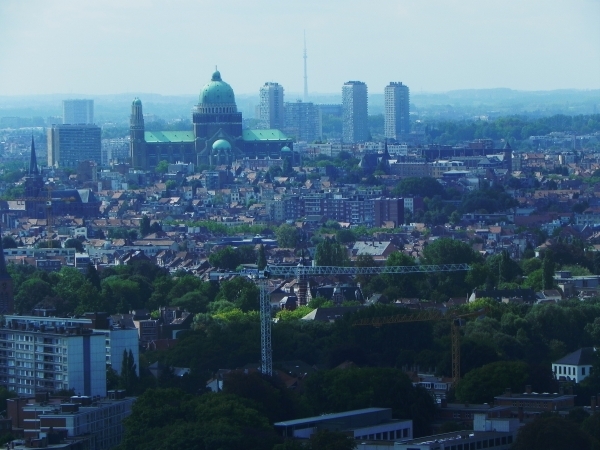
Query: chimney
(508, 392)
(528, 389)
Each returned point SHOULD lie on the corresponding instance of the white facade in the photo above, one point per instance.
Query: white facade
(78, 111)
(571, 372)
(355, 112)
(397, 108)
(35, 358)
(271, 106)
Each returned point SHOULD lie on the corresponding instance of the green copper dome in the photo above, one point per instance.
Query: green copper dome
(137, 101)
(286, 149)
(221, 144)
(217, 91)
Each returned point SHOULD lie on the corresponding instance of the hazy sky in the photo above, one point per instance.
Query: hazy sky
(171, 47)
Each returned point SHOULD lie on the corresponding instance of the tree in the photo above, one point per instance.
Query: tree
(31, 292)
(327, 391)
(128, 378)
(287, 236)
(483, 384)
(330, 253)
(9, 242)
(74, 243)
(331, 440)
(548, 270)
(162, 167)
(93, 277)
(552, 433)
(48, 244)
(261, 261)
(419, 187)
(170, 419)
(144, 226)
(226, 258)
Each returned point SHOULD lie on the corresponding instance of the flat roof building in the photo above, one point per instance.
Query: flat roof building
(68, 145)
(78, 111)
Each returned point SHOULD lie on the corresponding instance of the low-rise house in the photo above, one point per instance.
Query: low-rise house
(575, 366)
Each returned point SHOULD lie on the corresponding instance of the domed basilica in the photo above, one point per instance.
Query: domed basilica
(216, 139)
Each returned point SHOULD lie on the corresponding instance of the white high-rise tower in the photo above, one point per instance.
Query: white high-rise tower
(397, 109)
(271, 106)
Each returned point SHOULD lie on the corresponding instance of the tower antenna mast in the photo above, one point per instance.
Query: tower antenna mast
(305, 73)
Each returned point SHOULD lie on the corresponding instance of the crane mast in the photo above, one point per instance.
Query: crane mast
(301, 270)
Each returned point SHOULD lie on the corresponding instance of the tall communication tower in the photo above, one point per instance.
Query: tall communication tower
(305, 73)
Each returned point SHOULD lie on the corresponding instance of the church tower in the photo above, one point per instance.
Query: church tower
(7, 298)
(33, 179)
(137, 145)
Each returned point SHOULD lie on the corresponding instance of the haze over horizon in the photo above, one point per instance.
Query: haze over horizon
(110, 47)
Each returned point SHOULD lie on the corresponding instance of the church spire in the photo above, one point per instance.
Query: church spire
(33, 166)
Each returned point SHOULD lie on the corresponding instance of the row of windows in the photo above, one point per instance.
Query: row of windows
(568, 370)
(485, 443)
(385, 435)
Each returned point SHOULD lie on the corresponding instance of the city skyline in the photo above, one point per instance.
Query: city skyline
(96, 49)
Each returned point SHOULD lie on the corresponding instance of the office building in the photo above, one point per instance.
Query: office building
(355, 112)
(374, 424)
(70, 144)
(94, 424)
(397, 107)
(303, 121)
(388, 210)
(271, 113)
(78, 112)
(35, 356)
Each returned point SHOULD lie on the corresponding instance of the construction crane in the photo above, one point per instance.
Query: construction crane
(303, 271)
(456, 321)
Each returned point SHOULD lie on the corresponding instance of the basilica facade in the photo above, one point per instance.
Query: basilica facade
(217, 137)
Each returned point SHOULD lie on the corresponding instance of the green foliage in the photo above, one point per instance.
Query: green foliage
(74, 243)
(144, 225)
(328, 391)
(30, 293)
(170, 419)
(449, 251)
(9, 242)
(268, 395)
(287, 236)
(162, 167)
(128, 379)
(261, 261)
(488, 199)
(552, 433)
(510, 127)
(122, 233)
(297, 314)
(332, 440)
(418, 187)
(240, 291)
(483, 384)
(230, 257)
(48, 244)
(330, 253)
(5, 394)
(548, 270)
